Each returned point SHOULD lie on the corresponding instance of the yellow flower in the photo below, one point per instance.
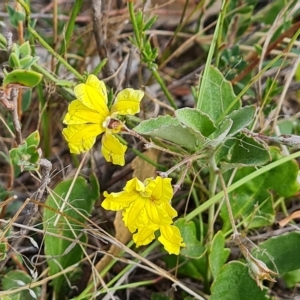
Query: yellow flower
(146, 209)
(88, 116)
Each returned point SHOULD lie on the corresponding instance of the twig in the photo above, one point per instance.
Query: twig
(14, 114)
(9, 99)
(292, 140)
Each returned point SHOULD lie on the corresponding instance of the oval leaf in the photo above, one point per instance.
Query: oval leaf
(63, 253)
(23, 77)
(234, 282)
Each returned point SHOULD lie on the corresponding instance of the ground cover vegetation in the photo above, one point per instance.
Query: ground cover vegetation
(148, 149)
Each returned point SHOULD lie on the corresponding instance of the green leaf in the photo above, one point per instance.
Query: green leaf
(194, 249)
(292, 278)
(241, 118)
(16, 279)
(33, 139)
(221, 134)
(234, 282)
(218, 254)
(27, 62)
(283, 179)
(160, 296)
(196, 120)
(15, 16)
(62, 253)
(27, 155)
(3, 250)
(170, 129)
(246, 151)
(218, 98)
(270, 12)
(3, 42)
(280, 251)
(26, 100)
(23, 77)
(25, 49)
(150, 23)
(13, 61)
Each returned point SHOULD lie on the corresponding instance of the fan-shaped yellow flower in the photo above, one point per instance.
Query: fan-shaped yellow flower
(146, 209)
(88, 116)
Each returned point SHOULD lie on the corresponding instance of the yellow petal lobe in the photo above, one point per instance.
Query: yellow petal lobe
(144, 236)
(93, 95)
(171, 239)
(127, 102)
(81, 138)
(113, 150)
(160, 189)
(118, 201)
(81, 114)
(133, 216)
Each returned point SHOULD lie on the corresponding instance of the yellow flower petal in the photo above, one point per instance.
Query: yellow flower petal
(81, 138)
(127, 102)
(118, 201)
(134, 185)
(93, 95)
(144, 236)
(169, 209)
(133, 215)
(171, 239)
(113, 150)
(160, 189)
(156, 214)
(81, 114)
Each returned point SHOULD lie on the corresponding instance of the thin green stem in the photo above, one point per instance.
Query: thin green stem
(206, 205)
(70, 30)
(229, 210)
(136, 30)
(213, 179)
(100, 66)
(163, 86)
(220, 31)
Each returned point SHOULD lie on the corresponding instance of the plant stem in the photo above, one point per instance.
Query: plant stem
(239, 183)
(220, 31)
(69, 31)
(230, 213)
(134, 24)
(163, 86)
(213, 179)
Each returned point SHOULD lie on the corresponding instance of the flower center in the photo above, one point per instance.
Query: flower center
(112, 124)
